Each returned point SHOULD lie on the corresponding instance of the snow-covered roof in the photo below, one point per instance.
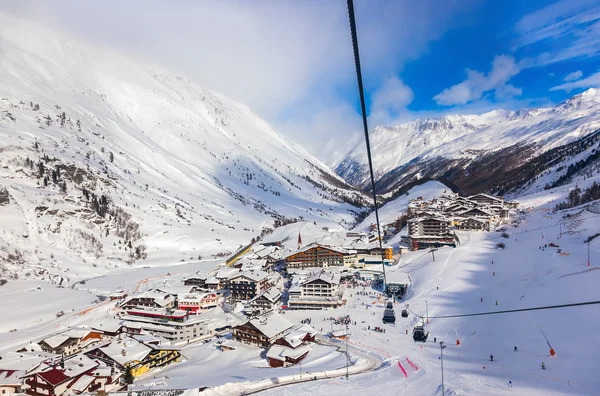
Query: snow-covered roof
(126, 350)
(280, 352)
(271, 324)
(272, 294)
(59, 339)
(315, 245)
(329, 277)
(226, 272)
(195, 297)
(475, 209)
(11, 377)
(108, 324)
(255, 276)
(25, 360)
(82, 383)
(486, 196)
(397, 277)
(296, 336)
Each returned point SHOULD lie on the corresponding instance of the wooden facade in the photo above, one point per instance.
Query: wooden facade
(316, 256)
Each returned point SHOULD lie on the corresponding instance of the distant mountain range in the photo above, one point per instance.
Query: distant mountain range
(472, 153)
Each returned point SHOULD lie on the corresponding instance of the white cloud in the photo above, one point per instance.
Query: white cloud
(592, 81)
(390, 100)
(570, 27)
(477, 84)
(274, 56)
(576, 75)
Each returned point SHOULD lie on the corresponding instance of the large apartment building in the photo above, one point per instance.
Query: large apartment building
(246, 285)
(316, 290)
(320, 256)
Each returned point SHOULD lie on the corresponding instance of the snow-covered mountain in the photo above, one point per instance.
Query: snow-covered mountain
(105, 160)
(459, 137)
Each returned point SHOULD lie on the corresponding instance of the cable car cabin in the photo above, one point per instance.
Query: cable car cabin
(419, 334)
(389, 316)
(405, 313)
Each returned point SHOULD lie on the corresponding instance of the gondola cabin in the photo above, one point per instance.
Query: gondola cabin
(419, 334)
(389, 316)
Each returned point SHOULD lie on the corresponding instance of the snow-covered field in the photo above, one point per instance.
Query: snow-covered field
(520, 276)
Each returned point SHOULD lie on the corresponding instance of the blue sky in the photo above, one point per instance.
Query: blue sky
(536, 45)
(291, 61)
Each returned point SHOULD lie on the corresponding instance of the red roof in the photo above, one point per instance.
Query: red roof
(54, 376)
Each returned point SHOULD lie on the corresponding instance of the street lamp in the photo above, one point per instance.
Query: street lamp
(442, 346)
(589, 252)
(347, 355)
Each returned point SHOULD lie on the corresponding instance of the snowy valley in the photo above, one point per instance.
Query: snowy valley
(105, 162)
(160, 239)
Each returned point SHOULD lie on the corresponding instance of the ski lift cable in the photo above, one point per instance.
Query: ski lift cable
(365, 125)
(512, 310)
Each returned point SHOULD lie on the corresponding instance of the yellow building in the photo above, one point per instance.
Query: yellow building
(140, 357)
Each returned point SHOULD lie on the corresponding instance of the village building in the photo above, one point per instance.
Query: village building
(11, 381)
(477, 212)
(129, 353)
(246, 285)
(70, 342)
(266, 300)
(170, 324)
(486, 199)
(263, 330)
(15, 365)
(471, 224)
(117, 295)
(75, 375)
(109, 326)
(320, 256)
(429, 232)
(317, 290)
(292, 347)
(196, 302)
(153, 299)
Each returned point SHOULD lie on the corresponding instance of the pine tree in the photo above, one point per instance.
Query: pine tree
(78, 126)
(111, 156)
(45, 181)
(128, 377)
(63, 187)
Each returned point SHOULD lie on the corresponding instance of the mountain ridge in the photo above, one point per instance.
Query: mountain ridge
(109, 162)
(464, 137)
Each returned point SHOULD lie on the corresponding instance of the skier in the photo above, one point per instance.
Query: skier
(491, 358)
(510, 384)
(515, 349)
(481, 299)
(496, 302)
(543, 366)
(434, 339)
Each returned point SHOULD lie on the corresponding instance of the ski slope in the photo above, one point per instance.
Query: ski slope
(525, 276)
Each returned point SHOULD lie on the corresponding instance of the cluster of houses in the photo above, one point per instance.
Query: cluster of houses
(83, 360)
(146, 330)
(285, 343)
(432, 223)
